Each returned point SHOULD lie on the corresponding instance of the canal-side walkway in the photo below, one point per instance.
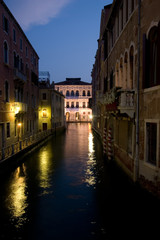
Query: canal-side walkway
(12, 154)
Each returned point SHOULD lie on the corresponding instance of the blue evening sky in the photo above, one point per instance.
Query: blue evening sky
(64, 33)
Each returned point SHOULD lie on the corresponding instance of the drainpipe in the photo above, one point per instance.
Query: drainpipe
(136, 164)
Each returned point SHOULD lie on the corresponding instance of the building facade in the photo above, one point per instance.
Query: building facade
(18, 82)
(126, 88)
(51, 106)
(78, 96)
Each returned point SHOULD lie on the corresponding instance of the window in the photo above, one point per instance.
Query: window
(151, 146)
(26, 51)
(84, 104)
(8, 130)
(105, 45)
(121, 17)
(84, 93)
(30, 126)
(14, 59)
(67, 104)
(5, 52)
(44, 96)
(14, 35)
(21, 44)
(132, 5)
(44, 126)
(88, 93)
(77, 93)
(111, 80)
(5, 24)
(105, 85)
(21, 65)
(151, 58)
(27, 125)
(67, 93)
(15, 128)
(6, 92)
(17, 62)
(72, 104)
(72, 93)
(77, 104)
(131, 57)
(126, 10)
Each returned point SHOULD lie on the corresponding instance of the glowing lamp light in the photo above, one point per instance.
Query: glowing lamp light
(91, 117)
(17, 109)
(19, 124)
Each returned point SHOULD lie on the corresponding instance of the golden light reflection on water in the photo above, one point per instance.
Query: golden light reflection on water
(16, 201)
(45, 168)
(90, 175)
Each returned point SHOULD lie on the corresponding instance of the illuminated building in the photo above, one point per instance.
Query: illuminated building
(78, 96)
(126, 88)
(19, 82)
(51, 105)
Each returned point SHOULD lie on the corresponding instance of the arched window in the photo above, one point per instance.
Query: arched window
(14, 59)
(126, 70)
(117, 75)
(77, 93)
(5, 52)
(131, 57)
(121, 73)
(6, 92)
(72, 93)
(153, 57)
(84, 93)
(67, 93)
(88, 93)
(111, 80)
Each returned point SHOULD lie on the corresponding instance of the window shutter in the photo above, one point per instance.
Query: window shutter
(158, 55)
(145, 62)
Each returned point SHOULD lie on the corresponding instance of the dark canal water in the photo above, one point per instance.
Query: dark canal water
(66, 190)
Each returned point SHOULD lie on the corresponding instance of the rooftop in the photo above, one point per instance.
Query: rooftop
(73, 81)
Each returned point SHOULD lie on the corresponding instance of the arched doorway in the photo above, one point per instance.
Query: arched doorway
(67, 116)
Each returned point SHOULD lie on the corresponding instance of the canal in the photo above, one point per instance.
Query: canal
(66, 190)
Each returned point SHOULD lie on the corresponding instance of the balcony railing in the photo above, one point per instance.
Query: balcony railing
(109, 97)
(19, 107)
(19, 75)
(77, 97)
(126, 102)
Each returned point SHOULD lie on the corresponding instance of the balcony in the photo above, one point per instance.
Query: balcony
(78, 97)
(126, 102)
(19, 76)
(19, 107)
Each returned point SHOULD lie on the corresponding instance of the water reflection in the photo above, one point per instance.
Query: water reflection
(45, 170)
(91, 162)
(16, 200)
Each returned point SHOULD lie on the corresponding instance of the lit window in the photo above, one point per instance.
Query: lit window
(44, 113)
